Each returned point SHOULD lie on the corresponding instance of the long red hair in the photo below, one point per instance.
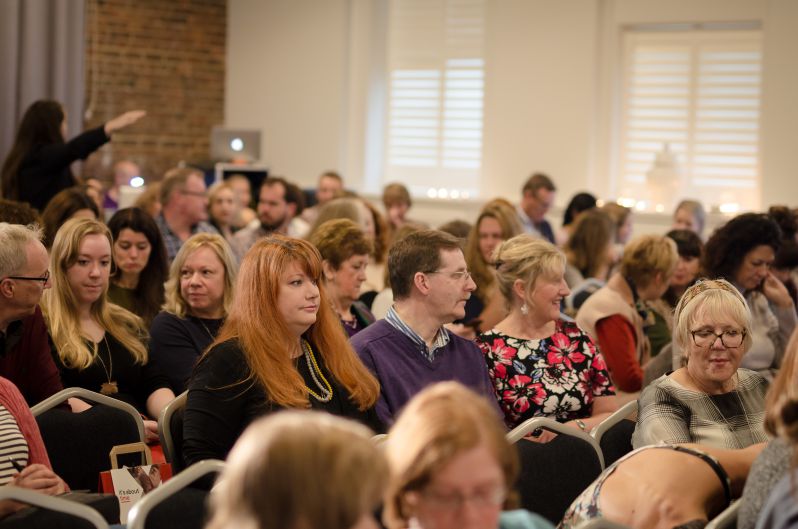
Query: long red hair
(265, 338)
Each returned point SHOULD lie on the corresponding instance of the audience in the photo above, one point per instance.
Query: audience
(689, 215)
(71, 203)
(184, 208)
(199, 294)
(536, 200)
(15, 212)
(742, 252)
(25, 356)
(150, 200)
(345, 253)
(300, 359)
(140, 263)
(711, 400)
(384, 300)
(306, 470)
(534, 357)
(611, 315)
(397, 202)
(375, 269)
(279, 205)
(99, 344)
(497, 222)
(410, 348)
(590, 250)
(451, 466)
(37, 166)
(579, 203)
(622, 218)
(330, 186)
(222, 208)
(123, 172)
(243, 190)
(690, 249)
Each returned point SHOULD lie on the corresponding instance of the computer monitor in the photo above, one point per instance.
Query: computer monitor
(235, 144)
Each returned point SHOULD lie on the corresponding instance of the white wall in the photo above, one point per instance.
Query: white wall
(300, 70)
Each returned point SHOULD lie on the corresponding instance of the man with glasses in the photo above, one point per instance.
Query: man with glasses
(184, 210)
(411, 348)
(25, 357)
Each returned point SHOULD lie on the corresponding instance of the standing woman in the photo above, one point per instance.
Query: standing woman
(282, 346)
(345, 251)
(100, 345)
(37, 166)
(140, 259)
(198, 297)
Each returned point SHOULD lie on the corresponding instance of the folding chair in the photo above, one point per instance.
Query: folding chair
(726, 519)
(553, 474)
(614, 434)
(601, 523)
(170, 431)
(78, 444)
(75, 514)
(174, 504)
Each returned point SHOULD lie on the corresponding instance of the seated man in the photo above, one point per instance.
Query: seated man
(25, 357)
(410, 348)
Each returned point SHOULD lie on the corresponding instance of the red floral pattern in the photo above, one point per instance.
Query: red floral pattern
(556, 377)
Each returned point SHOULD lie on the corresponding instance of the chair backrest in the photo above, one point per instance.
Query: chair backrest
(614, 434)
(659, 365)
(727, 519)
(175, 504)
(72, 512)
(79, 444)
(170, 431)
(553, 474)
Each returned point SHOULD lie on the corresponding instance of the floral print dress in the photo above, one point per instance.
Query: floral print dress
(556, 377)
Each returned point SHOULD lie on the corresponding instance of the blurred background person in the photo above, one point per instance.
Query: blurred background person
(690, 215)
(397, 201)
(688, 267)
(123, 172)
(222, 209)
(140, 264)
(537, 197)
(622, 218)
(199, 294)
(71, 203)
(579, 203)
(345, 252)
(243, 190)
(330, 186)
(37, 166)
(150, 199)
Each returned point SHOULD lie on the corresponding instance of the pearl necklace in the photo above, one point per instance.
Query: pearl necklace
(324, 387)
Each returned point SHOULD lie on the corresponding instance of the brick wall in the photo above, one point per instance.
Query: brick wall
(166, 57)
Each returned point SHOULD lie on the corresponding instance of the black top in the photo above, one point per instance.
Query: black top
(177, 343)
(45, 171)
(135, 381)
(220, 406)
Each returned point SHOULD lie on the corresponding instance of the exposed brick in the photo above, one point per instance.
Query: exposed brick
(167, 58)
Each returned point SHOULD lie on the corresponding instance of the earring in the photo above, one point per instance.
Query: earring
(524, 309)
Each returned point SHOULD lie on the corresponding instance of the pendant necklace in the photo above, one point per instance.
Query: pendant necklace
(110, 387)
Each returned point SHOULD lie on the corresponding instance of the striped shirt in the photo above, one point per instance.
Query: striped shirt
(13, 446)
(441, 338)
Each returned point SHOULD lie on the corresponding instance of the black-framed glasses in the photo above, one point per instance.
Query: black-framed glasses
(44, 279)
(730, 339)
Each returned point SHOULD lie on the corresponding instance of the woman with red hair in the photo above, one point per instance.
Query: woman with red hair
(282, 346)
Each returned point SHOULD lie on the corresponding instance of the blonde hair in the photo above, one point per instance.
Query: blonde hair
(527, 258)
(175, 302)
(646, 256)
(439, 423)
(716, 299)
(782, 398)
(299, 470)
(481, 271)
(58, 303)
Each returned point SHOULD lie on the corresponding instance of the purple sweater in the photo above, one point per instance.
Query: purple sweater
(403, 370)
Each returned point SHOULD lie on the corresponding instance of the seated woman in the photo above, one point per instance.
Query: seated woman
(345, 254)
(497, 222)
(282, 346)
(306, 470)
(691, 249)
(689, 215)
(590, 256)
(622, 219)
(612, 315)
(540, 364)
(710, 401)
(140, 259)
(99, 344)
(646, 488)
(452, 466)
(222, 208)
(742, 252)
(198, 297)
(579, 203)
(71, 203)
(774, 461)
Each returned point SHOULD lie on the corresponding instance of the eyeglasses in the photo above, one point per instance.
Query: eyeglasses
(463, 275)
(454, 501)
(730, 339)
(44, 279)
(202, 194)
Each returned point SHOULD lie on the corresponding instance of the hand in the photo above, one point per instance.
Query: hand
(123, 120)
(776, 292)
(151, 430)
(40, 479)
(544, 437)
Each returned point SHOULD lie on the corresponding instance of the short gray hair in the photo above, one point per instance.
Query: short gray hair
(13, 239)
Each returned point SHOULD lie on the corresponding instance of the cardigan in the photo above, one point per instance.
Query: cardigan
(403, 370)
(12, 400)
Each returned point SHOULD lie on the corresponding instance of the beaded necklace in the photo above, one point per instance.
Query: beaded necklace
(324, 387)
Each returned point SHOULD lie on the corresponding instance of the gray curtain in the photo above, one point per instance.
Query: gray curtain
(42, 45)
